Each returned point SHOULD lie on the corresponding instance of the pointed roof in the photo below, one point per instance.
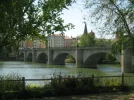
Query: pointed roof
(85, 28)
(92, 33)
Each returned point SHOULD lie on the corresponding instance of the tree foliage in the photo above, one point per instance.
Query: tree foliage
(87, 40)
(114, 17)
(110, 58)
(27, 18)
(103, 42)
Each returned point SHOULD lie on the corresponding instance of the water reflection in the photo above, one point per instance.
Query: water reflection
(38, 70)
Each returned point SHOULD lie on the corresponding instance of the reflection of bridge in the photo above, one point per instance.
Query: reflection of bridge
(85, 57)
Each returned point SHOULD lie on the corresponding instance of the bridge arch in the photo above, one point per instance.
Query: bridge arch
(42, 58)
(29, 57)
(93, 59)
(60, 58)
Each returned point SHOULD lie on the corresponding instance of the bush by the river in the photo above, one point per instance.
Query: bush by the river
(74, 85)
(9, 83)
(59, 85)
(69, 59)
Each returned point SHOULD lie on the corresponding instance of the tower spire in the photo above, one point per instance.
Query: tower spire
(85, 28)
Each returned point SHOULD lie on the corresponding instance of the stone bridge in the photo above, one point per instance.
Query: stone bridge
(84, 57)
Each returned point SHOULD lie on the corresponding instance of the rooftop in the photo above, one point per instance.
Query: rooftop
(68, 37)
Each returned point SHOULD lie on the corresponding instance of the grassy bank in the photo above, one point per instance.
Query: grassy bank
(60, 86)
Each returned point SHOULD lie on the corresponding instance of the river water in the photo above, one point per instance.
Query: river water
(31, 70)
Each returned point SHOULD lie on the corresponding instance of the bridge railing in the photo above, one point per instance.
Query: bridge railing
(71, 47)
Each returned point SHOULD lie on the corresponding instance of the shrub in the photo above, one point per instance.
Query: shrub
(112, 82)
(9, 82)
(33, 87)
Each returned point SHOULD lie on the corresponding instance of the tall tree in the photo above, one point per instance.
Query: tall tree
(116, 16)
(22, 18)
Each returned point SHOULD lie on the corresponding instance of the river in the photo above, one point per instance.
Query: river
(31, 70)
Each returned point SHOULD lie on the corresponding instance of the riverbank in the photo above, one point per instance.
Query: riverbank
(61, 86)
(101, 96)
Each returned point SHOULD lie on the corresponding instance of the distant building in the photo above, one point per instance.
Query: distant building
(56, 40)
(86, 31)
(60, 40)
(39, 44)
(32, 44)
(87, 38)
(92, 33)
(27, 44)
(68, 41)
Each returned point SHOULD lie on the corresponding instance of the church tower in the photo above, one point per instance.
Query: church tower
(85, 29)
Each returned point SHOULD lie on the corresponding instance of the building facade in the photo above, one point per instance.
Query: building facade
(60, 40)
(56, 40)
(68, 41)
(32, 44)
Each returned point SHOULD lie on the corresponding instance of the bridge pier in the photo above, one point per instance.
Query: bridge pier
(25, 57)
(127, 61)
(50, 57)
(34, 55)
(79, 58)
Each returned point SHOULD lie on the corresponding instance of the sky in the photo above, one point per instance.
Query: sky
(76, 15)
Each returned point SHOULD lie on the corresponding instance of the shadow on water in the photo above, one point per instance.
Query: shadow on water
(110, 67)
(37, 70)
